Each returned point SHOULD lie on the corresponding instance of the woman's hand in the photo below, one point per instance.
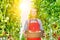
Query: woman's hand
(42, 33)
(25, 33)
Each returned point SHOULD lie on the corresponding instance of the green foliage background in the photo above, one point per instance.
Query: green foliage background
(49, 14)
(9, 18)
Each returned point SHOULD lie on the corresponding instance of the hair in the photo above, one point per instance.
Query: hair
(30, 16)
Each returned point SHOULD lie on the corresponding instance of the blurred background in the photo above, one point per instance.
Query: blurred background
(10, 18)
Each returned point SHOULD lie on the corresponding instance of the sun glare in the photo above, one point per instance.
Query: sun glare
(25, 10)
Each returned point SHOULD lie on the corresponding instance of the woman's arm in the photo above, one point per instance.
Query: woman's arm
(41, 28)
(25, 28)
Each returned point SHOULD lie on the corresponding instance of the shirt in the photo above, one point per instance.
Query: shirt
(26, 24)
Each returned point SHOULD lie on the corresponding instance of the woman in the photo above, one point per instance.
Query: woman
(33, 27)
